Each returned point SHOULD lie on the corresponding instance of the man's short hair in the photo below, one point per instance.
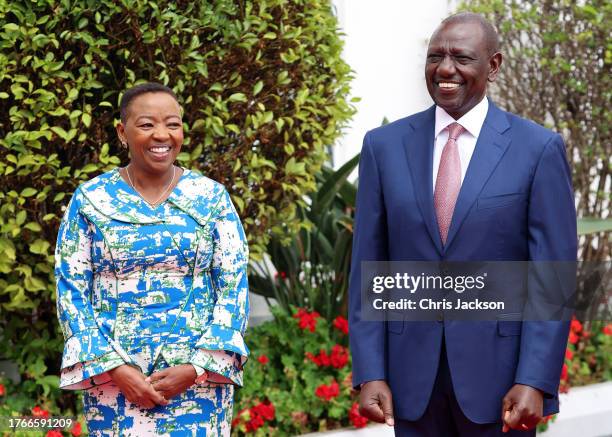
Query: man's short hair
(490, 34)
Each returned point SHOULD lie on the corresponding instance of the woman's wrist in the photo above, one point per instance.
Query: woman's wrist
(201, 374)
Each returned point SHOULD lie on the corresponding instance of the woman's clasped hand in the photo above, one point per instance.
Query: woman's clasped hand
(148, 392)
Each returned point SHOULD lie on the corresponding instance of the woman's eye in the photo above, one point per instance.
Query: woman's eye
(146, 125)
(174, 125)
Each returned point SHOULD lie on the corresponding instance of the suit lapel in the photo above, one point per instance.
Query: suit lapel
(419, 151)
(490, 148)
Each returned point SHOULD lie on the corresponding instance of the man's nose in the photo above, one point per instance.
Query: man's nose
(446, 67)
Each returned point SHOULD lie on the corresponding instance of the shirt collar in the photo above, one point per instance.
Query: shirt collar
(472, 121)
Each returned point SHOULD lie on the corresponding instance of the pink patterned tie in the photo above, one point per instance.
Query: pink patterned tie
(448, 180)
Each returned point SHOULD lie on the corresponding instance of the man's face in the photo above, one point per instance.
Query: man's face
(458, 67)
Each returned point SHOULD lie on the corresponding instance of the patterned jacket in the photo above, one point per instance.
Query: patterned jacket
(136, 284)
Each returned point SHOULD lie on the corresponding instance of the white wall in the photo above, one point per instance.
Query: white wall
(385, 45)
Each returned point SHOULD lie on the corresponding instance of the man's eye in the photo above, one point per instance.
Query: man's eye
(174, 125)
(434, 58)
(146, 125)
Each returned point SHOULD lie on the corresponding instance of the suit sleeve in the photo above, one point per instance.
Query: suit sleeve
(552, 244)
(88, 353)
(367, 338)
(221, 349)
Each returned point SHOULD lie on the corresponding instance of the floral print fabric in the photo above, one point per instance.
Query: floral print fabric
(151, 287)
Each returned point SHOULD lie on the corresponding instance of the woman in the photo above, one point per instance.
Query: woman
(152, 290)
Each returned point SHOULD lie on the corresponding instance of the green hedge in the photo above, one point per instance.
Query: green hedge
(264, 92)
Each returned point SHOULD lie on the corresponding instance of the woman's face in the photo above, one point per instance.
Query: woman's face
(153, 130)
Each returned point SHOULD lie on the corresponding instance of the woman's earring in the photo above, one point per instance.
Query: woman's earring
(124, 144)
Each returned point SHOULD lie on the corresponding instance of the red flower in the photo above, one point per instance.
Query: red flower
(263, 359)
(546, 418)
(307, 320)
(322, 359)
(573, 338)
(357, 419)
(564, 372)
(39, 412)
(327, 392)
(76, 430)
(607, 330)
(281, 275)
(54, 433)
(255, 423)
(2, 390)
(339, 356)
(265, 410)
(569, 354)
(341, 324)
(576, 326)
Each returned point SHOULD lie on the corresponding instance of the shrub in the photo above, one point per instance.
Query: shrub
(264, 92)
(301, 378)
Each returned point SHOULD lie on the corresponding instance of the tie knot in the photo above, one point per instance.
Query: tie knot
(454, 130)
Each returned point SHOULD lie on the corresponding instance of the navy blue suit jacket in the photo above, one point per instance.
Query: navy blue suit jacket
(516, 203)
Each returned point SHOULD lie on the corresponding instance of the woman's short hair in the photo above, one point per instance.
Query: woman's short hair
(131, 93)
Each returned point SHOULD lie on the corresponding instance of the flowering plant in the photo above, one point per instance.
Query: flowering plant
(588, 358)
(301, 378)
(16, 403)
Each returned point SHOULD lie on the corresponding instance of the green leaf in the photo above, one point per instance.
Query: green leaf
(39, 247)
(89, 168)
(60, 132)
(28, 192)
(237, 97)
(332, 185)
(32, 283)
(21, 217)
(258, 87)
(86, 119)
(33, 226)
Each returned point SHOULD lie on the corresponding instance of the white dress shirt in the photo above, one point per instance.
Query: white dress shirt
(472, 121)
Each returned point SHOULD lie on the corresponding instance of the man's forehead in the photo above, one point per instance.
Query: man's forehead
(468, 34)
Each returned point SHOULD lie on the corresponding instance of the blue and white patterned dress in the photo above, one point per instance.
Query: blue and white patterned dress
(152, 287)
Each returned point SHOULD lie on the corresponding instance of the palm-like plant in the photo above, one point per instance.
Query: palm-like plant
(312, 271)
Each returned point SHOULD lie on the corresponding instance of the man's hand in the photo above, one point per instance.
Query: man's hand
(522, 408)
(132, 384)
(375, 402)
(173, 380)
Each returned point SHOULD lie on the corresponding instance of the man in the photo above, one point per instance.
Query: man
(461, 181)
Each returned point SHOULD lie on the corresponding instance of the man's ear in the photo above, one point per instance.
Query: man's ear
(495, 62)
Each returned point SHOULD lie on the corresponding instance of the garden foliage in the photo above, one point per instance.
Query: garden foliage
(264, 92)
(312, 270)
(556, 71)
(299, 379)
